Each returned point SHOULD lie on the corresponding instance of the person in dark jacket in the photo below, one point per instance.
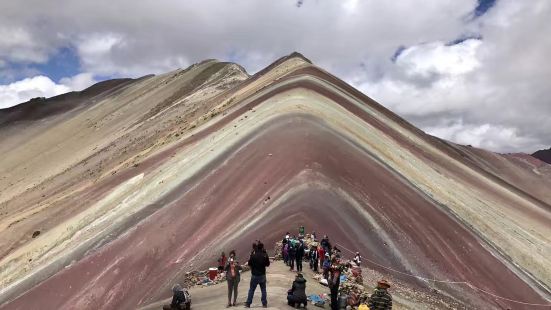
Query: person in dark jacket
(314, 258)
(300, 256)
(258, 262)
(285, 252)
(233, 276)
(325, 244)
(292, 253)
(296, 296)
(334, 282)
(326, 266)
(381, 299)
(179, 299)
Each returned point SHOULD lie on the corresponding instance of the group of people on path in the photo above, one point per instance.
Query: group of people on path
(320, 255)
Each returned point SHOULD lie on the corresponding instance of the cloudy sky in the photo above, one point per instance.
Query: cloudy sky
(474, 72)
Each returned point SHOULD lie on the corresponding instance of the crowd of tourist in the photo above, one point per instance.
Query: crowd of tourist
(323, 258)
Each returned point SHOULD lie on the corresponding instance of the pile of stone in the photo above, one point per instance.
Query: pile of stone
(201, 278)
(278, 250)
(353, 287)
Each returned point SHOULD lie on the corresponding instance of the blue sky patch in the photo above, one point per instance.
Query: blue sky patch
(483, 7)
(464, 38)
(65, 63)
(397, 53)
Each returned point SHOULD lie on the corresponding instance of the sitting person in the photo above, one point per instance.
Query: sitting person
(296, 296)
(180, 299)
(381, 299)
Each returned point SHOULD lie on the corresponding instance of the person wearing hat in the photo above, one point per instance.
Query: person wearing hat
(381, 299)
(296, 296)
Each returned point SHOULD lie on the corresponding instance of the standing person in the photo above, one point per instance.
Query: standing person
(286, 253)
(233, 277)
(321, 256)
(313, 235)
(301, 231)
(292, 255)
(381, 299)
(326, 244)
(222, 262)
(326, 266)
(300, 256)
(311, 258)
(258, 262)
(358, 259)
(314, 259)
(334, 283)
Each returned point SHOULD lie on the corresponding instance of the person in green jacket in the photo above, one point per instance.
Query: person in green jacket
(381, 299)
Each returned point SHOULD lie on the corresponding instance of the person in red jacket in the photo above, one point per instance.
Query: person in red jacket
(321, 255)
(222, 262)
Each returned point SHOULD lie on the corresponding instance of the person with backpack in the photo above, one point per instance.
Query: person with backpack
(181, 299)
(299, 256)
(233, 277)
(381, 298)
(258, 262)
(296, 296)
(292, 255)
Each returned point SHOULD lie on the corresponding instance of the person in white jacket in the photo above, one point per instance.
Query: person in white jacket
(357, 259)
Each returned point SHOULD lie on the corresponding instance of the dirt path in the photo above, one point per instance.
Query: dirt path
(279, 281)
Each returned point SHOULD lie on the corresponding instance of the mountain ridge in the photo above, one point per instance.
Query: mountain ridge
(280, 142)
(543, 155)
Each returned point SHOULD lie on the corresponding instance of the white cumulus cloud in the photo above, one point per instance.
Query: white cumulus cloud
(41, 86)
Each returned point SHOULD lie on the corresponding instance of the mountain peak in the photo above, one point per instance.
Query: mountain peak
(543, 155)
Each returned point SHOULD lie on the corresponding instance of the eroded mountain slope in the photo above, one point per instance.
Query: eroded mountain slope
(179, 153)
